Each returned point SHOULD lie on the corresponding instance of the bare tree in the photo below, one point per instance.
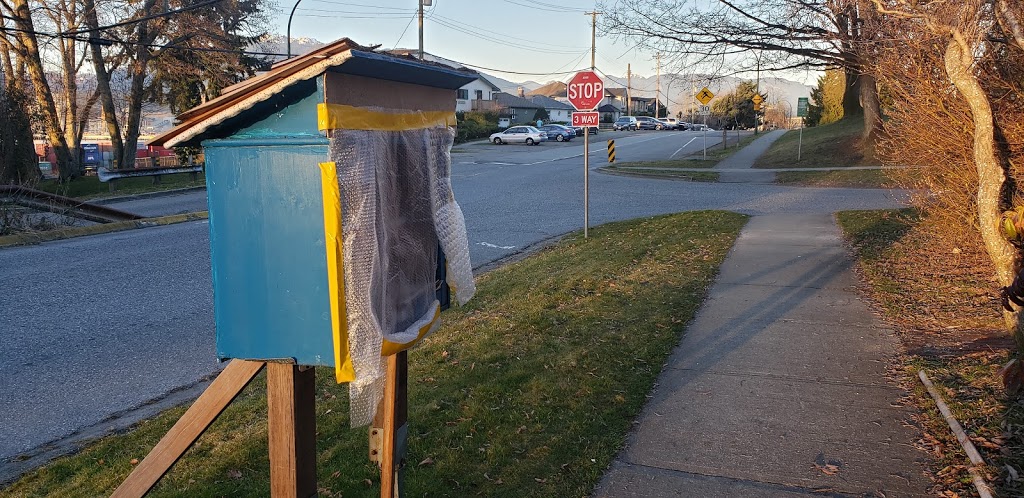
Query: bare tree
(956, 66)
(26, 45)
(773, 34)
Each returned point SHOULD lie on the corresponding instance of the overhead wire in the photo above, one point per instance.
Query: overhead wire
(456, 25)
(143, 18)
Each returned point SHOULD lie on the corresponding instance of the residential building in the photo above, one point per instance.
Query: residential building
(558, 112)
(609, 113)
(477, 95)
(518, 109)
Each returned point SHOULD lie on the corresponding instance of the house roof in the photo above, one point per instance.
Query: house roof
(615, 92)
(550, 103)
(608, 108)
(552, 89)
(447, 62)
(507, 100)
(342, 56)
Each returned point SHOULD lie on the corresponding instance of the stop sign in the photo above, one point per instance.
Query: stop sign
(585, 91)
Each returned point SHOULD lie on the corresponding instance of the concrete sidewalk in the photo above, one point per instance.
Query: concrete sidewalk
(744, 159)
(779, 386)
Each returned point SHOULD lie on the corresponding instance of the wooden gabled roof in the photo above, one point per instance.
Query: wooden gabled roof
(363, 60)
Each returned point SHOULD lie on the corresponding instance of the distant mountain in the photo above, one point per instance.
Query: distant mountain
(552, 89)
(278, 44)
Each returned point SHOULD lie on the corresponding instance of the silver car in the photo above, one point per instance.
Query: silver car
(519, 134)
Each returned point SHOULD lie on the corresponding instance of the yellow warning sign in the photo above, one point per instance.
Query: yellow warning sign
(705, 96)
(757, 98)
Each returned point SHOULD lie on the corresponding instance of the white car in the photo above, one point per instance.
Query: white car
(673, 123)
(519, 134)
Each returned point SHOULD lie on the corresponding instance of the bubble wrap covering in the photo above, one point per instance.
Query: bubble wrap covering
(396, 207)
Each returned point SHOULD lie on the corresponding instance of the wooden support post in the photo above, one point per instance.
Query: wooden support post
(189, 427)
(391, 418)
(291, 428)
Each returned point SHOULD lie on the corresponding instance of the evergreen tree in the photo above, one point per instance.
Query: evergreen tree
(17, 153)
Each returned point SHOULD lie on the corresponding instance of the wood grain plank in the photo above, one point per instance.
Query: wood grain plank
(189, 427)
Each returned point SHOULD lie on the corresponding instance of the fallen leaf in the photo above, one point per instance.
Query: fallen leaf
(542, 481)
(135, 461)
(336, 474)
(620, 398)
(828, 469)
(427, 461)
(235, 474)
(100, 461)
(367, 482)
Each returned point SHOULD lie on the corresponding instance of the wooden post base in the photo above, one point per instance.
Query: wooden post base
(291, 428)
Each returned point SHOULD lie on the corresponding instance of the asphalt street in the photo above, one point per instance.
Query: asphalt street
(107, 323)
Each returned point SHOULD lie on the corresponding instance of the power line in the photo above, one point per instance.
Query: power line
(144, 18)
(451, 24)
(109, 41)
(541, 6)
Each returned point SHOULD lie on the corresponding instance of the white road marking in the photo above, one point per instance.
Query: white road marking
(681, 148)
(487, 244)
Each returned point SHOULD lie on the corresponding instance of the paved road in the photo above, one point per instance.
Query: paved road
(104, 323)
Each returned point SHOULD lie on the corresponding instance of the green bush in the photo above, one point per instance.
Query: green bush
(474, 125)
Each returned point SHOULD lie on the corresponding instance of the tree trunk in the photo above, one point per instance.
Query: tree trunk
(106, 96)
(871, 107)
(67, 163)
(991, 176)
(136, 96)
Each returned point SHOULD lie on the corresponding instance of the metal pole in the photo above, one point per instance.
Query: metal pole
(800, 144)
(421, 28)
(586, 182)
(289, 34)
(705, 137)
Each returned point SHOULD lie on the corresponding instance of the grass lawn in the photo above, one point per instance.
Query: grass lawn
(693, 176)
(854, 178)
(833, 145)
(529, 390)
(90, 187)
(945, 307)
(715, 154)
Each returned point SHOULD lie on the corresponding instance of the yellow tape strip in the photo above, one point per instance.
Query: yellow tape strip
(343, 370)
(389, 348)
(346, 117)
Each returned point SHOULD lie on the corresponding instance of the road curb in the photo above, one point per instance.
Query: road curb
(31, 238)
(145, 195)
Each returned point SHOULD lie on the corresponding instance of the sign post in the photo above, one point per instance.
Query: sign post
(801, 111)
(705, 96)
(585, 91)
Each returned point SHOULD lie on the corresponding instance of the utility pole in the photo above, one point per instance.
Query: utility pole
(657, 92)
(422, 3)
(586, 130)
(629, 85)
(593, 37)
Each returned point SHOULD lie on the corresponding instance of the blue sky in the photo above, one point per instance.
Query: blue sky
(526, 36)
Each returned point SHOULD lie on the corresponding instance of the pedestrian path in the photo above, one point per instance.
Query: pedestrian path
(738, 167)
(779, 386)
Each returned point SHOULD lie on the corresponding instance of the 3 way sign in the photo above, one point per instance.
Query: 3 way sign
(585, 91)
(585, 119)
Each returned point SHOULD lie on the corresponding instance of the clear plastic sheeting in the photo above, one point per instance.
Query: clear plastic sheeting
(396, 208)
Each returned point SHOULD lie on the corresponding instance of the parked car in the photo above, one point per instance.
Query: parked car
(558, 133)
(625, 123)
(648, 123)
(519, 134)
(671, 123)
(579, 130)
